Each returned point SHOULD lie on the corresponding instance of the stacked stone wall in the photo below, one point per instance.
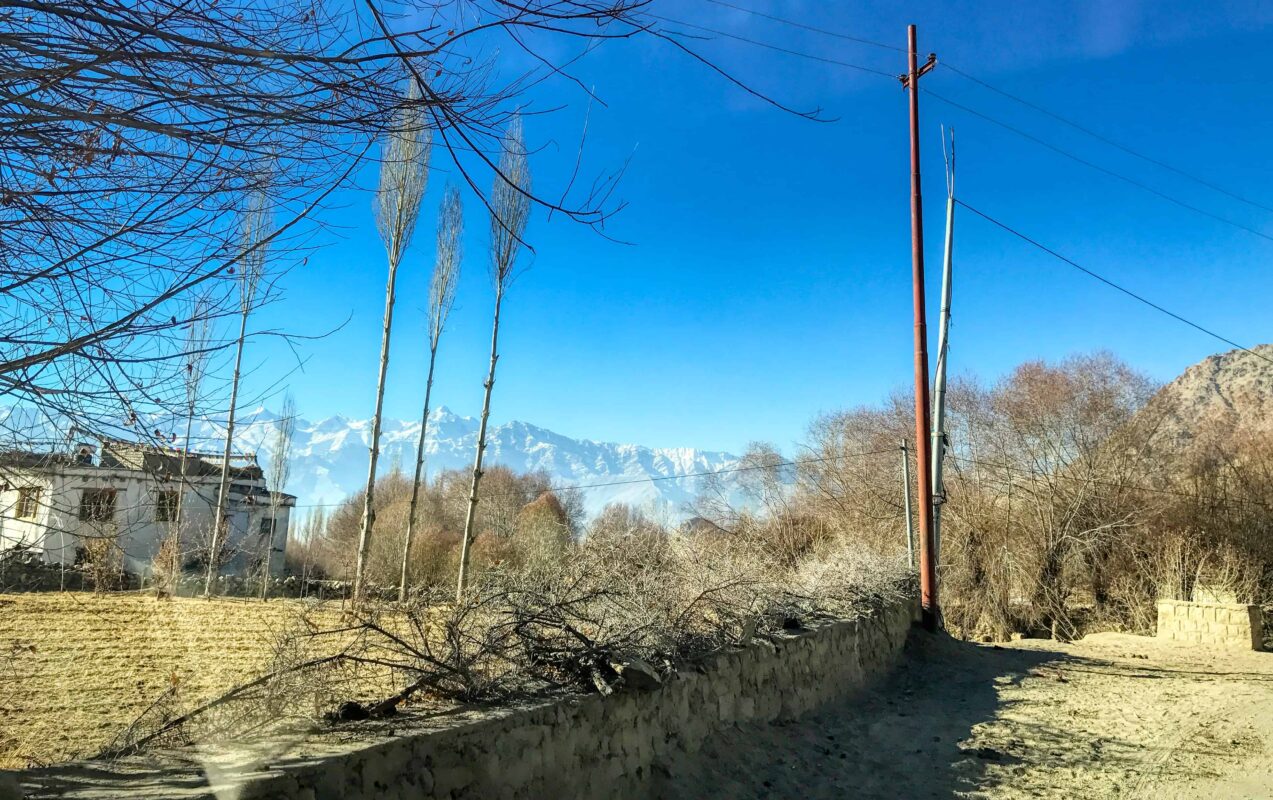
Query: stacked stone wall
(1224, 624)
(580, 747)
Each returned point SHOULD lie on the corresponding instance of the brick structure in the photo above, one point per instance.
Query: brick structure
(1222, 624)
(576, 748)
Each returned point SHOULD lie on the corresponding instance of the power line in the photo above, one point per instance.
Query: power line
(1112, 284)
(1043, 143)
(1112, 484)
(777, 48)
(807, 27)
(1102, 138)
(1015, 98)
(680, 476)
(771, 465)
(1092, 165)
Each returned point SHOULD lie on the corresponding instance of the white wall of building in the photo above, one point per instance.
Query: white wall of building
(57, 531)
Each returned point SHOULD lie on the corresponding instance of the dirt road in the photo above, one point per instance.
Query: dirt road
(1109, 716)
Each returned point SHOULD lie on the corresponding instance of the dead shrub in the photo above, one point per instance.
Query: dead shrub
(165, 567)
(103, 562)
(848, 579)
(618, 610)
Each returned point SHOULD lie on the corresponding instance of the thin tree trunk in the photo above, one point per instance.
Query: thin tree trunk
(415, 484)
(265, 568)
(368, 510)
(185, 461)
(174, 566)
(280, 470)
(223, 493)
(469, 519)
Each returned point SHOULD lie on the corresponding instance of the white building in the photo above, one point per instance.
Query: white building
(133, 495)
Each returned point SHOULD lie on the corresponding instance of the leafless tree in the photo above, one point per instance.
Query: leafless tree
(253, 237)
(133, 131)
(169, 559)
(404, 176)
(306, 541)
(198, 340)
(510, 210)
(446, 274)
(280, 470)
(1071, 440)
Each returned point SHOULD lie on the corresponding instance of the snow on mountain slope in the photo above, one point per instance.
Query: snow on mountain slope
(329, 460)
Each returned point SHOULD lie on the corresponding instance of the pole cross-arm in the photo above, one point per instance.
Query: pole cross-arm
(921, 72)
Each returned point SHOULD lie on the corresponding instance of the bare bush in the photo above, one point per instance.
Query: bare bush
(1066, 507)
(846, 578)
(615, 602)
(439, 521)
(166, 565)
(102, 561)
(617, 611)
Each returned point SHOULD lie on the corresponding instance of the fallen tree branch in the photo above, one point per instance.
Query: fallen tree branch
(219, 701)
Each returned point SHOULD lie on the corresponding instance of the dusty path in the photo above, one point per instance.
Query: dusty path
(1110, 716)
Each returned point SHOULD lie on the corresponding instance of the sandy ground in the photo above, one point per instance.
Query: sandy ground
(78, 667)
(1109, 716)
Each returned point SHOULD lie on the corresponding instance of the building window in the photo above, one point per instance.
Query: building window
(267, 528)
(97, 505)
(166, 506)
(28, 501)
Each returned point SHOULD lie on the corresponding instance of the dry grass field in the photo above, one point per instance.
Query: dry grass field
(78, 668)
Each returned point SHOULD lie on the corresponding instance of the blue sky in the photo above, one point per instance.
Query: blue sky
(767, 278)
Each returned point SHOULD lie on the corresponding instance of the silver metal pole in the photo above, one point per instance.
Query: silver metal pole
(943, 343)
(906, 505)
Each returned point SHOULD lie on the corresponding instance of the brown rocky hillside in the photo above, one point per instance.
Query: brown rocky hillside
(1230, 390)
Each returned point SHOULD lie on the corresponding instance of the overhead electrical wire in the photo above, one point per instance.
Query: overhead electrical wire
(988, 118)
(1033, 473)
(680, 476)
(807, 27)
(1004, 226)
(1138, 297)
(777, 48)
(1092, 165)
(1102, 138)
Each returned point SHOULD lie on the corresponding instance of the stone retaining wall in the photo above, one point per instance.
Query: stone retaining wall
(1225, 624)
(581, 747)
(21, 574)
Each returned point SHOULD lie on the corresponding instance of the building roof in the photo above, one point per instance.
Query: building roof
(28, 459)
(116, 454)
(261, 496)
(166, 461)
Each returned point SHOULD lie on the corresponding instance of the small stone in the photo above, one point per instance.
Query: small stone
(637, 675)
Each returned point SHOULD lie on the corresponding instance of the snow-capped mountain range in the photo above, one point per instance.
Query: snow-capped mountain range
(329, 457)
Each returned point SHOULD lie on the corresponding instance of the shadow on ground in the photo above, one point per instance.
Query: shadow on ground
(903, 738)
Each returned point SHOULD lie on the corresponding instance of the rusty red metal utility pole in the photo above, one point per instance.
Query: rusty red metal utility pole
(923, 439)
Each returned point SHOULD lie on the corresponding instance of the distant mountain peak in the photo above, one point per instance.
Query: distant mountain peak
(329, 455)
(329, 460)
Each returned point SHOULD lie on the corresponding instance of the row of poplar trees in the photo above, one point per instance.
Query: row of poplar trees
(404, 177)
